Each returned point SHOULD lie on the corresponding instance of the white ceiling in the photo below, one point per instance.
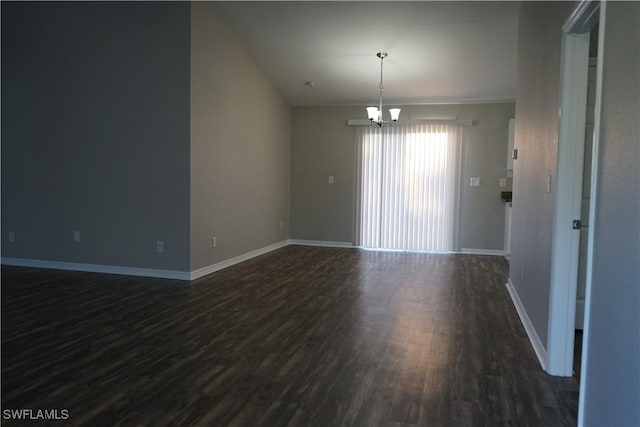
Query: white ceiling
(438, 51)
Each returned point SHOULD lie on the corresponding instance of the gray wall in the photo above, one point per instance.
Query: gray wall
(536, 138)
(95, 132)
(240, 145)
(323, 145)
(612, 371)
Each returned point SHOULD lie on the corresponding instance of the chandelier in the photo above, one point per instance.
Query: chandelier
(375, 113)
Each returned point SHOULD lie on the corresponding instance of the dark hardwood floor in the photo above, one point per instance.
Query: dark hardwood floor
(301, 336)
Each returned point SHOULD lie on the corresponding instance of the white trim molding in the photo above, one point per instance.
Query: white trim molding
(142, 272)
(201, 272)
(584, 17)
(565, 248)
(594, 197)
(539, 349)
(473, 251)
(321, 243)
(97, 268)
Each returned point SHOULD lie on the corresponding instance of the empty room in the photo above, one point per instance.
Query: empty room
(320, 213)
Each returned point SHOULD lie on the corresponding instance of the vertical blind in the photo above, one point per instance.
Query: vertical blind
(407, 180)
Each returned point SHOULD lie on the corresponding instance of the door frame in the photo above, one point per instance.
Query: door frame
(569, 178)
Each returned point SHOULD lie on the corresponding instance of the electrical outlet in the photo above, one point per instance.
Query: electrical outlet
(282, 226)
(474, 182)
(503, 182)
(214, 242)
(12, 236)
(549, 183)
(76, 236)
(159, 246)
(331, 179)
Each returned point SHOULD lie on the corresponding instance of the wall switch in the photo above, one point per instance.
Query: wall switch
(76, 236)
(503, 182)
(159, 246)
(214, 242)
(475, 182)
(12, 236)
(331, 180)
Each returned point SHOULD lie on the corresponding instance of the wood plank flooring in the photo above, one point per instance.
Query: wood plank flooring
(302, 336)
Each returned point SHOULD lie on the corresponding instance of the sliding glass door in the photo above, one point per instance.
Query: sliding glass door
(407, 180)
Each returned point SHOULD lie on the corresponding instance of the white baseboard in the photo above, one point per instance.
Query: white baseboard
(143, 272)
(472, 251)
(201, 272)
(97, 268)
(195, 274)
(539, 349)
(322, 243)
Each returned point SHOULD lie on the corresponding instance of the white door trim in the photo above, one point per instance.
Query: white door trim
(595, 173)
(569, 178)
(568, 200)
(565, 246)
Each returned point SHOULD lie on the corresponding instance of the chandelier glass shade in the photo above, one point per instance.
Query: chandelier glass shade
(375, 113)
